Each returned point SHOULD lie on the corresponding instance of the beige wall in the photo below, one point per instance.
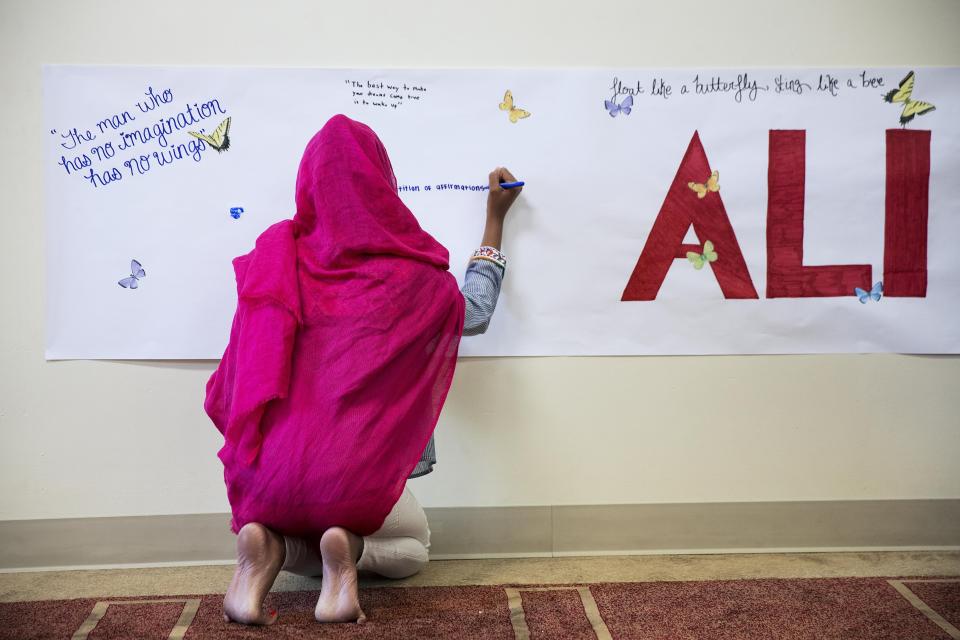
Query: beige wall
(122, 438)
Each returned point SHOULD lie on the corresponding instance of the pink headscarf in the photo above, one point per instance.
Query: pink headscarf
(342, 348)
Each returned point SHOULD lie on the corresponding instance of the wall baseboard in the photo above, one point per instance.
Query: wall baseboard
(498, 532)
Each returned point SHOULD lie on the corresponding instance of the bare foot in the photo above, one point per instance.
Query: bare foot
(260, 554)
(339, 601)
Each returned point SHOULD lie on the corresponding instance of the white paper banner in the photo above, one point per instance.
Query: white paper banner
(819, 190)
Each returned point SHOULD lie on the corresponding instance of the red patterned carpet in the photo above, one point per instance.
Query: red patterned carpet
(795, 609)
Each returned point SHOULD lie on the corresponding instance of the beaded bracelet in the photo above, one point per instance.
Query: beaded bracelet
(491, 254)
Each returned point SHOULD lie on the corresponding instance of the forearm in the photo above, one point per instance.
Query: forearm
(493, 232)
(485, 272)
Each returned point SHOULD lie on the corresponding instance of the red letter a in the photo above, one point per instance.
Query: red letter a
(682, 208)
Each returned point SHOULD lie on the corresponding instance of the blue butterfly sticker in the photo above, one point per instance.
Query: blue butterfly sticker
(235, 212)
(876, 293)
(136, 273)
(624, 107)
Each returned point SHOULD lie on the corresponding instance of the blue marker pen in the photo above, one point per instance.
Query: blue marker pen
(511, 185)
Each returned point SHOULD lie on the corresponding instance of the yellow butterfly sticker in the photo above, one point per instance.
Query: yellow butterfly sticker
(911, 108)
(713, 184)
(700, 259)
(516, 113)
(219, 139)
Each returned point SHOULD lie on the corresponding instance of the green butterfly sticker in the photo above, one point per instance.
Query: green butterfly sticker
(700, 259)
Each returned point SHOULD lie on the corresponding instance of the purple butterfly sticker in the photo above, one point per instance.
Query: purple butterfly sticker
(136, 272)
(614, 108)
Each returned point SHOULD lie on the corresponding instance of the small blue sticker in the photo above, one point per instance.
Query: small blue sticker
(235, 212)
(874, 294)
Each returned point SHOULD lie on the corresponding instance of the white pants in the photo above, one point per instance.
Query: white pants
(396, 550)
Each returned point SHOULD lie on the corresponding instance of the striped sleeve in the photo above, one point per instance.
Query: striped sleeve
(481, 288)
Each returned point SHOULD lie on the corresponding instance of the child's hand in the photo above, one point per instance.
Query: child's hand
(499, 199)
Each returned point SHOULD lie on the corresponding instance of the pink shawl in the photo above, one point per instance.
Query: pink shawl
(342, 348)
